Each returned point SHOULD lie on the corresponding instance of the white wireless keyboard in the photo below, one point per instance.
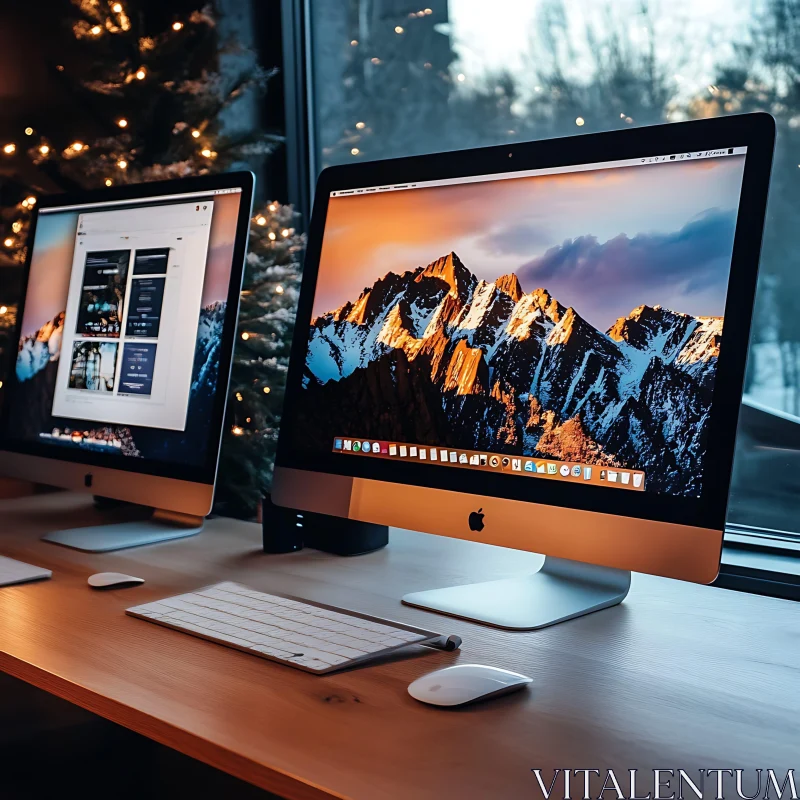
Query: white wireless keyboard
(310, 636)
(12, 572)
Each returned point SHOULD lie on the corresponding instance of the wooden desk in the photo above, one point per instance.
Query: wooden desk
(678, 676)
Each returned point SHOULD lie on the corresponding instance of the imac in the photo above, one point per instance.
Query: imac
(126, 329)
(539, 346)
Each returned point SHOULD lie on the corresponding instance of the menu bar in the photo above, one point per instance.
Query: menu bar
(695, 155)
(543, 468)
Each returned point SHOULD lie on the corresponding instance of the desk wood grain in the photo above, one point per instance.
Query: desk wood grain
(678, 676)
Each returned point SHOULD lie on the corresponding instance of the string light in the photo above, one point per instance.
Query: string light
(96, 30)
(272, 207)
(9, 242)
(141, 74)
(429, 11)
(29, 131)
(3, 309)
(123, 123)
(461, 77)
(9, 148)
(279, 289)
(245, 336)
(122, 164)
(44, 149)
(267, 390)
(237, 431)
(176, 26)
(16, 226)
(272, 235)
(195, 134)
(375, 60)
(354, 43)
(580, 121)
(239, 396)
(78, 146)
(355, 151)
(285, 232)
(205, 152)
(360, 125)
(261, 220)
(398, 29)
(117, 8)
(30, 200)
(108, 181)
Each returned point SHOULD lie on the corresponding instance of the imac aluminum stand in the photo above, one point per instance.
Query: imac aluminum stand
(162, 526)
(559, 591)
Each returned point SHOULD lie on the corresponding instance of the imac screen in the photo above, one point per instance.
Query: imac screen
(563, 323)
(122, 326)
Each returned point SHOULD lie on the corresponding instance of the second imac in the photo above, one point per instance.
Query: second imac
(540, 347)
(125, 333)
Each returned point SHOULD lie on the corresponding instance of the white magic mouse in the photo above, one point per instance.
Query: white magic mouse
(465, 683)
(109, 580)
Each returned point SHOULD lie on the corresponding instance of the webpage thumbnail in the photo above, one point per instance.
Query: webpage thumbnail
(144, 308)
(152, 261)
(94, 365)
(138, 365)
(105, 277)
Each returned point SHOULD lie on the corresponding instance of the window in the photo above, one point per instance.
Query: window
(402, 77)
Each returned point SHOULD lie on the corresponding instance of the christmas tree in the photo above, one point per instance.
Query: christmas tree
(155, 104)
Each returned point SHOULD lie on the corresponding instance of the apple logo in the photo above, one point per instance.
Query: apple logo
(476, 520)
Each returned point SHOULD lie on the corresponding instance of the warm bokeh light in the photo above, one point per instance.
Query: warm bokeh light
(30, 200)
(196, 134)
(141, 74)
(245, 336)
(123, 123)
(205, 152)
(108, 181)
(78, 146)
(261, 220)
(9, 148)
(176, 26)
(580, 121)
(29, 131)
(96, 30)
(398, 29)
(44, 149)
(285, 232)
(272, 235)
(267, 390)
(355, 151)
(360, 125)
(122, 164)
(9, 242)
(237, 431)
(16, 226)
(116, 8)
(279, 289)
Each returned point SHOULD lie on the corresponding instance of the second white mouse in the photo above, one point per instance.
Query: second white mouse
(465, 683)
(113, 580)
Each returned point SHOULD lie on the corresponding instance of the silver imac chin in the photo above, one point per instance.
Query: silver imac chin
(178, 506)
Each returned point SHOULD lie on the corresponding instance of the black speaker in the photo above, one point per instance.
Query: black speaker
(344, 537)
(282, 528)
(287, 529)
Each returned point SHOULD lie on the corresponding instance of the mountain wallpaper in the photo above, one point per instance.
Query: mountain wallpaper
(609, 360)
